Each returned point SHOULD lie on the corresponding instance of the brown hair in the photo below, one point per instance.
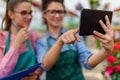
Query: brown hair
(45, 4)
(10, 5)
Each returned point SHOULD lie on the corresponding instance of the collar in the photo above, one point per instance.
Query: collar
(48, 35)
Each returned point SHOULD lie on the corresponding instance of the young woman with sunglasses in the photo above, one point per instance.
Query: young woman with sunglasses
(68, 59)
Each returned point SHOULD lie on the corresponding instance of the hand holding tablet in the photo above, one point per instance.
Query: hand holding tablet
(90, 21)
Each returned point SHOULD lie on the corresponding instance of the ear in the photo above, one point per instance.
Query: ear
(44, 15)
(10, 14)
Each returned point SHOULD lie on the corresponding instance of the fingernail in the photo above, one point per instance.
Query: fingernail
(106, 16)
(94, 31)
(100, 20)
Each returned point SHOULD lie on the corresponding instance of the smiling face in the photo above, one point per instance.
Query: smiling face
(22, 14)
(54, 14)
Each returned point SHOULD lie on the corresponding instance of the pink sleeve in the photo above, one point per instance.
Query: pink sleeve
(8, 61)
(33, 37)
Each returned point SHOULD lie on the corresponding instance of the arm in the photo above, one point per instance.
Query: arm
(70, 37)
(83, 53)
(8, 61)
(107, 41)
(97, 58)
(49, 58)
(44, 57)
(52, 55)
(67, 38)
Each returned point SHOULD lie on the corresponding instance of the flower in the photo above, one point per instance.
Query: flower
(117, 46)
(111, 59)
(118, 68)
(109, 70)
(112, 68)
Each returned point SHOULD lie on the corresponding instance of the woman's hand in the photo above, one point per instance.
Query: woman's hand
(33, 76)
(69, 37)
(21, 37)
(107, 38)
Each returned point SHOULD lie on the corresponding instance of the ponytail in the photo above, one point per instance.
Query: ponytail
(6, 18)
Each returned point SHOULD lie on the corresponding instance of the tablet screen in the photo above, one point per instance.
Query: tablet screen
(90, 21)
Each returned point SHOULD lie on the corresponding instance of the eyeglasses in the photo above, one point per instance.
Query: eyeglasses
(54, 12)
(24, 13)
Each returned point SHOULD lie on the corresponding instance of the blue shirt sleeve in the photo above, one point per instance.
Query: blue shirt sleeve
(83, 53)
(41, 50)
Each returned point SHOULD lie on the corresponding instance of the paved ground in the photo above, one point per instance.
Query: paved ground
(94, 74)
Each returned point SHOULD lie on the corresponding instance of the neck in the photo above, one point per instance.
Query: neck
(15, 26)
(13, 30)
(54, 31)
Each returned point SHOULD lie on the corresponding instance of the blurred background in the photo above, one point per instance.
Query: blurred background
(71, 21)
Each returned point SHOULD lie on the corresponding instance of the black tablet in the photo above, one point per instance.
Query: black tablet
(90, 21)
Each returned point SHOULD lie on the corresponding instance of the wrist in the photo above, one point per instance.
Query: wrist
(16, 44)
(60, 42)
(108, 51)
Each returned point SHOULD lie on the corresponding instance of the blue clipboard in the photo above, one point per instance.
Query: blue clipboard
(23, 73)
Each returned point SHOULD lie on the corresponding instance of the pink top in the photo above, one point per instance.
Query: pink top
(8, 61)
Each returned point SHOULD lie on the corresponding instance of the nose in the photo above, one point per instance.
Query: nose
(57, 15)
(29, 16)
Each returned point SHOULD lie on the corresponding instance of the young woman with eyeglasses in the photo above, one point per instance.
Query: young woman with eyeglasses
(16, 42)
(67, 60)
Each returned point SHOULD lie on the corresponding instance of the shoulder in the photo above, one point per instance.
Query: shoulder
(42, 41)
(34, 35)
(3, 37)
(3, 33)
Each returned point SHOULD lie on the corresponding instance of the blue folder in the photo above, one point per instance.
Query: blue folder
(23, 73)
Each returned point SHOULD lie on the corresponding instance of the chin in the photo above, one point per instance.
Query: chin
(26, 25)
(57, 24)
